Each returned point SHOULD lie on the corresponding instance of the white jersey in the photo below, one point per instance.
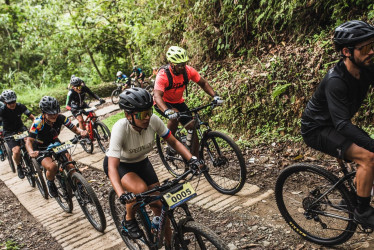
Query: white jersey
(129, 145)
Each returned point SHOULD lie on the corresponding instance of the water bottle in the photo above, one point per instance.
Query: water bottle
(189, 137)
(155, 223)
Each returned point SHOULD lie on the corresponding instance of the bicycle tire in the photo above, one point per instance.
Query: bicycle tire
(226, 173)
(28, 171)
(198, 236)
(118, 210)
(40, 182)
(298, 186)
(87, 146)
(174, 162)
(115, 96)
(10, 157)
(3, 149)
(89, 202)
(64, 198)
(102, 134)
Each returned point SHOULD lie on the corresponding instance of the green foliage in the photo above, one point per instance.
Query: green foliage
(10, 245)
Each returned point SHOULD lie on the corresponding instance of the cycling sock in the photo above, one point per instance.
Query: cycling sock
(363, 204)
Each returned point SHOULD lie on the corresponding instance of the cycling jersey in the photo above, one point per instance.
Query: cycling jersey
(336, 101)
(138, 71)
(75, 100)
(129, 145)
(12, 122)
(45, 132)
(122, 77)
(175, 94)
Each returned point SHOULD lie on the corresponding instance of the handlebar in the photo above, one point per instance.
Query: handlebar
(188, 113)
(50, 151)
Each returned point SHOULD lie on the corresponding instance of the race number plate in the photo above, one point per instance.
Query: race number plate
(62, 147)
(21, 135)
(181, 196)
(90, 109)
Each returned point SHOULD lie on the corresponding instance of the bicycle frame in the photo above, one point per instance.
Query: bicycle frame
(88, 123)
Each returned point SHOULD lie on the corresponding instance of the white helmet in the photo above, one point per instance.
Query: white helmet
(119, 73)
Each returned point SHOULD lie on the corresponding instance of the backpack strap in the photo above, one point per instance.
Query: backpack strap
(170, 78)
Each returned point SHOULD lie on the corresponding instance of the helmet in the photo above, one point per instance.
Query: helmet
(8, 96)
(49, 105)
(135, 99)
(134, 68)
(75, 81)
(176, 54)
(72, 76)
(353, 32)
(119, 73)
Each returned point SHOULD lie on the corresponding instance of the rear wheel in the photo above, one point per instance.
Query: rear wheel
(118, 212)
(64, 193)
(224, 160)
(89, 202)
(102, 134)
(115, 96)
(87, 145)
(40, 181)
(28, 170)
(10, 157)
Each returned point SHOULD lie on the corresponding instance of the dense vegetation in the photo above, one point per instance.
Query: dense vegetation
(265, 57)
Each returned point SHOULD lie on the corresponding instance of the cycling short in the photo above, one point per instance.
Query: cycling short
(10, 141)
(329, 141)
(143, 169)
(76, 111)
(181, 107)
(38, 147)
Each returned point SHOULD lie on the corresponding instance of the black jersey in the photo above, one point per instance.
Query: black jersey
(336, 100)
(75, 100)
(12, 121)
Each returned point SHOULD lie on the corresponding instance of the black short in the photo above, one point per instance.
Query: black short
(10, 141)
(181, 107)
(76, 111)
(38, 147)
(329, 141)
(143, 169)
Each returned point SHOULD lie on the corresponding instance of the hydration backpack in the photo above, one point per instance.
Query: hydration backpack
(170, 78)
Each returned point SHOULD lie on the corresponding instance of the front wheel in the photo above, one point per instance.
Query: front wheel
(315, 212)
(28, 170)
(87, 145)
(40, 182)
(10, 157)
(118, 212)
(197, 236)
(115, 96)
(64, 198)
(224, 160)
(102, 134)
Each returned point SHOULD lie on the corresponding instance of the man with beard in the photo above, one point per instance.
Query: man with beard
(326, 122)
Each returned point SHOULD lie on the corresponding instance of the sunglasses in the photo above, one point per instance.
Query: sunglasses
(78, 87)
(180, 65)
(11, 102)
(144, 114)
(364, 50)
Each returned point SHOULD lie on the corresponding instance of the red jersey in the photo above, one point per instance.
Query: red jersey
(175, 94)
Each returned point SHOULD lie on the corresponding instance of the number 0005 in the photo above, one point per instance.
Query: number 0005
(182, 195)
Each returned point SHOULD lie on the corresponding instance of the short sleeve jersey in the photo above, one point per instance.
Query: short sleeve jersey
(175, 94)
(12, 121)
(46, 133)
(129, 145)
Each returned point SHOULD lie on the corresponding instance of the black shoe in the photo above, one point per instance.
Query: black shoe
(133, 229)
(52, 189)
(366, 219)
(21, 175)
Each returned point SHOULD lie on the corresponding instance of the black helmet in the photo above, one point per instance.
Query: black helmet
(75, 81)
(352, 32)
(135, 99)
(8, 96)
(49, 105)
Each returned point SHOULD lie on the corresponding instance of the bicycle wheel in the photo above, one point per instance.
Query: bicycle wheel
(102, 134)
(64, 194)
(226, 166)
(40, 182)
(173, 161)
(328, 221)
(197, 236)
(89, 202)
(3, 149)
(10, 157)
(115, 96)
(87, 145)
(28, 170)
(118, 212)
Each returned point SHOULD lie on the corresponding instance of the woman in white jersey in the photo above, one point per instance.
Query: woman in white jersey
(126, 163)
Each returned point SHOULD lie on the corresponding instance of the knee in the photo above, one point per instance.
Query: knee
(369, 160)
(16, 150)
(140, 188)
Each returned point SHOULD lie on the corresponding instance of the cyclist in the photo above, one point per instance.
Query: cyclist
(75, 100)
(154, 73)
(139, 75)
(326, 122)
(43, 132)
(171, 81)
(126, 162)
(71, 78)
(123, 78)
(11, 114)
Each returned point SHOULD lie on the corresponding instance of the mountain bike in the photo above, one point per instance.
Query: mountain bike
(318, 204)
(225, 167)
(120, 87)
(97, 131)
(187, 233)
(70, 182)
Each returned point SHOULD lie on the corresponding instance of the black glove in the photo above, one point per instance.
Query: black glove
(126, 198)
(101, 101)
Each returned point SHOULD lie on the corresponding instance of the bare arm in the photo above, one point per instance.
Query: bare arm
(29, 147)
(206, 87)
(79, 131)
(113, 175)
(32, 117)
(157, 95)
(182, 150)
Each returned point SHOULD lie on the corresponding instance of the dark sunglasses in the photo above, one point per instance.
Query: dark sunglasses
(180, 65)
(364, 50)
(11, 102)
(78, 87)
(144, 114)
